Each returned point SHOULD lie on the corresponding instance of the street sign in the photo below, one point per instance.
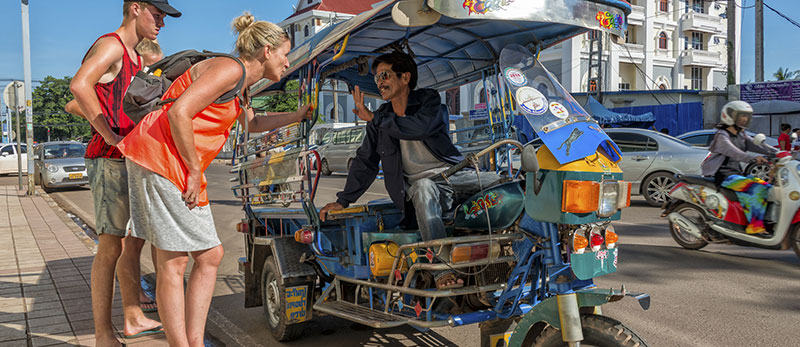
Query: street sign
(14, 95)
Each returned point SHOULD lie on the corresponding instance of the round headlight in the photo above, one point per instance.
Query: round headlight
(51, 168)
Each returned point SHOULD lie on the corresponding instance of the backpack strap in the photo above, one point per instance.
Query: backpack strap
(229, 95)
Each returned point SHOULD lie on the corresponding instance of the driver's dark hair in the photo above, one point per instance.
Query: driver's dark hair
(400, 63)
(785, 126)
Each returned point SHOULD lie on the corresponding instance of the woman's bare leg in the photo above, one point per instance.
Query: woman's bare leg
(199, 292)
(169, 294)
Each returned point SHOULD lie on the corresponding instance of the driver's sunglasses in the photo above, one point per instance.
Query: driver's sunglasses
(384, 75)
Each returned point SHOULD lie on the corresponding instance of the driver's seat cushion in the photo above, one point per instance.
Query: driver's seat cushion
(708, 182)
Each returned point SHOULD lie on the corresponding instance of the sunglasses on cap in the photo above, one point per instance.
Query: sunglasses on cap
(384, 75)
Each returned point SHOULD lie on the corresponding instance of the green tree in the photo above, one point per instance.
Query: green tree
(281, 102)
(49, 99)
(784, 74)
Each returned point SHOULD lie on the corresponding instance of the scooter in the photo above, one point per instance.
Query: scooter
(702, 212)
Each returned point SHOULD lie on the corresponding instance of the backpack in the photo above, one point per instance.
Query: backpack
(147, 87)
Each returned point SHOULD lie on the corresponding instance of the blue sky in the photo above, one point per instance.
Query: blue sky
(62, 31)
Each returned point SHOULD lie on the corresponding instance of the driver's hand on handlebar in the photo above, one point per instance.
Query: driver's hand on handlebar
(333, 206)
(761, 160)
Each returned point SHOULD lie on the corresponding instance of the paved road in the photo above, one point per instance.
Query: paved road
(722, 295)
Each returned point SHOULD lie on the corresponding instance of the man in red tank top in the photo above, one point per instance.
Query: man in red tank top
(99, 86)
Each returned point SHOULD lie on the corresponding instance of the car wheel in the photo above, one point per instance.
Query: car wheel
(758, 170)
(656, 188)
(325, 169)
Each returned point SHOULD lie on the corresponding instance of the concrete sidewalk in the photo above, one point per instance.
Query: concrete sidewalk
(45, 268)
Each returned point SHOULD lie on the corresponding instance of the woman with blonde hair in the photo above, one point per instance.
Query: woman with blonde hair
(166, 155)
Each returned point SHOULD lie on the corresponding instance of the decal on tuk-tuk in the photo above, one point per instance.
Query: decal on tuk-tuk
(296, 303)
(474, 208)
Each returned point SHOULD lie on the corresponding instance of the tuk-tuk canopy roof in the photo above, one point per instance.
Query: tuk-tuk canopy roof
(454, 50)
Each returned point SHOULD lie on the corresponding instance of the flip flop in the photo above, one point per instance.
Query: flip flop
(151, 309)
(157, 330)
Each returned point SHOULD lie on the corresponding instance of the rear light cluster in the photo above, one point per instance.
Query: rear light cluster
(594, 237)
(474, 251)
(605, 198)
(304, 236)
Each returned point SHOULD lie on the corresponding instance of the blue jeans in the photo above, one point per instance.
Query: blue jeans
(432, 197)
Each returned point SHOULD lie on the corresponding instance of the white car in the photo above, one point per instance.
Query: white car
(8, 158)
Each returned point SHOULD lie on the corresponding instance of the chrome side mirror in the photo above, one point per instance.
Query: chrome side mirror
(759, 139)
(529, 161)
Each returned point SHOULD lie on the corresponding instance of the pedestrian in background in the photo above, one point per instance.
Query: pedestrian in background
(784, 140)
(98, 87)
(168, 152)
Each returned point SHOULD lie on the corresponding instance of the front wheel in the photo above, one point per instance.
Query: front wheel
(795, 237)
(273, 299)
(597, 331)
(696, 216)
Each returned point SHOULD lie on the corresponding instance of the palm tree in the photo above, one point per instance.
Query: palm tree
(784, 74)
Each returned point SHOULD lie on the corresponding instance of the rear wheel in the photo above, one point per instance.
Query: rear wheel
(657, 187)
(325, 169)
(272, 297)
(597, 331)
(683, 238)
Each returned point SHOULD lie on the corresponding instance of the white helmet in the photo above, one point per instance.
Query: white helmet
(733, 110)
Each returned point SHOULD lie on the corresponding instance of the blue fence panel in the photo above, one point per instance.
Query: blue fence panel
(678, 118)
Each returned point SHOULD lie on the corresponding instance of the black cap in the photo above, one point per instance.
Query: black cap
(164, 6)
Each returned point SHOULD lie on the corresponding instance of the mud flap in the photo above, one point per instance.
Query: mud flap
(492, 332)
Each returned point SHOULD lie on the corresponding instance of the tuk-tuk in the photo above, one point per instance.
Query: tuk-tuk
(527, 248)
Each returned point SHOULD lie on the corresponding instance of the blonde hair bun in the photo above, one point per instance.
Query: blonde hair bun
(243, 22)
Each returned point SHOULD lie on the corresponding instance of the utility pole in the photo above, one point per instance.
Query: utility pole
(26, 57)
(759, 40)
(730, 14)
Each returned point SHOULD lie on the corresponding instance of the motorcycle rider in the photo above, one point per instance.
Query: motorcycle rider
(730, 144)
(729, 149)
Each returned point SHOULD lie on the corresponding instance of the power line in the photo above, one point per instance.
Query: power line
(782, 15)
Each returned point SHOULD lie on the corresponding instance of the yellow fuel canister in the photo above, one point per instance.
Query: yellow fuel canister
(381, 258)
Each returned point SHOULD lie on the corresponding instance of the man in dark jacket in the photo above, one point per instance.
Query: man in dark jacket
(409, 135)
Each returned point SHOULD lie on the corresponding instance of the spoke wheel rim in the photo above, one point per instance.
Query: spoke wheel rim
(658, 188)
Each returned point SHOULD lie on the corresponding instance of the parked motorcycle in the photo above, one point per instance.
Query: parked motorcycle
(702, 212)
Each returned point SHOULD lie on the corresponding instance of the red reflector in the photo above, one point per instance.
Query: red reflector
(597, 240)
(243, 227)
(480, 251)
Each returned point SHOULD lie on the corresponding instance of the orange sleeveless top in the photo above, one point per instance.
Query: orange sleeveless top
(150, 144)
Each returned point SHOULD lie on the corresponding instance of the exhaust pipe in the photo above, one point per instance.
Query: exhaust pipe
(685, 224)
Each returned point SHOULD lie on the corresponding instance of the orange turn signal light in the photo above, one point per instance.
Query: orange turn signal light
(611, 237)
(580, 196)
(579, 243)
(304, 236)
(474, 251)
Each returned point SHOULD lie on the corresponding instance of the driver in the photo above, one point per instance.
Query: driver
(409, 136)
(729, 149)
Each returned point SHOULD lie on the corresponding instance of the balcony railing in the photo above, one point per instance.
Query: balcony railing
(701, 22)
(695, 57)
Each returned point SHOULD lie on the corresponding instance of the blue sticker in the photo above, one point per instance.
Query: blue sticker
(516, 77)
(531, 101)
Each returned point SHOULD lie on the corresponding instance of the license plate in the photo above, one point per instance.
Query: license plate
(76, 176)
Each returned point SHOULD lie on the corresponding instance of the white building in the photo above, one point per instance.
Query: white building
(671, 44)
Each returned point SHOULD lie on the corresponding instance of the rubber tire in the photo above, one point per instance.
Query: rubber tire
(325, 169)
(649, 180)
(280, 330)
(597, 331)
(45, 187)
(684, 243)
(795, 237)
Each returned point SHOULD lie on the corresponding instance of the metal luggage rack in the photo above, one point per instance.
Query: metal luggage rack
(375, 311)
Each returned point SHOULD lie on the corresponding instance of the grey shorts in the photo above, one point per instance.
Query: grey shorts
(109, 182)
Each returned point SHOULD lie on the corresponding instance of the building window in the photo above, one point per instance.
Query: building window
(305, 31)
(662, 40)
(452, 98)
(697, 78)
(699, 6)
(697, 41)
(624, 86)
(685, 6)
(663, 5)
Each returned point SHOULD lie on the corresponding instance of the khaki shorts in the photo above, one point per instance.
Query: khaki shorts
(109, 182)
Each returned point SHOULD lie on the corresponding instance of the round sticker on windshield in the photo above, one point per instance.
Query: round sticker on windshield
(516, 77)
(558, 110)
(531, 101)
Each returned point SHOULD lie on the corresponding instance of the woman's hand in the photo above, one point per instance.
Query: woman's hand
(305, 112)
(761, 160)
(192, 192)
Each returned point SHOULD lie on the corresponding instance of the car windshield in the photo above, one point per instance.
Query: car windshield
(66, 150)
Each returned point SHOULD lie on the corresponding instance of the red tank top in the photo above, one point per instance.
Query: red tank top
(110, 96)
(150, 144)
